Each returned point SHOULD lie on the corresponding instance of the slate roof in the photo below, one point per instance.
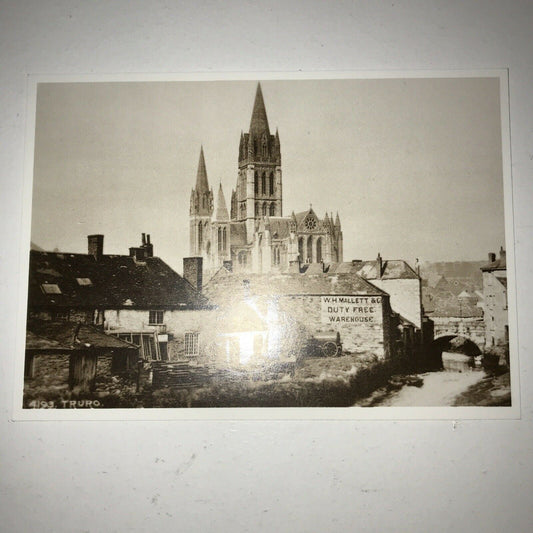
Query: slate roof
(65, 336)
(446, 303)
(114, 281)
(392, 269)
(225, 287)
(279, 227)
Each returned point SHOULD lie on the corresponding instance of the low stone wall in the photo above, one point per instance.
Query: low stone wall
(49, 370)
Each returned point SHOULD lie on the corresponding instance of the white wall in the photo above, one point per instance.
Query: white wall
(262, 475)
(404, 297)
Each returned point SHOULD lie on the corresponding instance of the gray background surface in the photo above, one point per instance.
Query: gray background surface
(262, 476)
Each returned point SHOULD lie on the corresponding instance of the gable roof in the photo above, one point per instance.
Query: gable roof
(113, 281)
(226, 287)
(65, 336)
(391, 269)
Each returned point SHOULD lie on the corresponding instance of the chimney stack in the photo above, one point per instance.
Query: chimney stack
(192, 271)
(379, 265)
(96, 246)
(492, 257)
(502, 253)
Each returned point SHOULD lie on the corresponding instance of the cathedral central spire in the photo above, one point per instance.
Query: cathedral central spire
(259, 121)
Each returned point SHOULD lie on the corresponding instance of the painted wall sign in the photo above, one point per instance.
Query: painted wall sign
(351, 310)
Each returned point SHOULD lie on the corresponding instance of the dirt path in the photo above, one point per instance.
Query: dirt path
(438, 389)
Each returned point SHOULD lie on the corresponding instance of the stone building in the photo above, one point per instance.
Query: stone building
(137, 297)
(63, 355)
(495, 300)
(254, 235)
(298, 307)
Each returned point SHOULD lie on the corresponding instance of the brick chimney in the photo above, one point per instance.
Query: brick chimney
(379, 265)
(192, 271)
(502, 253)
(96, 246)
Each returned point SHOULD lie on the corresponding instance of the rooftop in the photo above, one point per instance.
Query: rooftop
(112, 281)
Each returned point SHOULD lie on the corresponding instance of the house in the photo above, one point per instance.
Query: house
(321, 306)
(68, 356)
(137, 297)
(495, 300)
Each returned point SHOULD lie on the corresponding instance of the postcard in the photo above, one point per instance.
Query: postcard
(310, 245)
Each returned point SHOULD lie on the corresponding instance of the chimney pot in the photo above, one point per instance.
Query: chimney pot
(492, 257)
(143, 238)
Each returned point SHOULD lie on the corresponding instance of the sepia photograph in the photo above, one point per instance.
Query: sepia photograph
(269, 242)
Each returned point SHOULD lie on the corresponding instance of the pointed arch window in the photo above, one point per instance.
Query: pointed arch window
(256, 209)
(224, 239)
(264, 209)
(319, 250)
(256, 182)
(200, 234)
(275, 255)
(272, 209)
(263, 183)
(301, 248)
(271, 184)
(309, 258)
(219, 240)
(264, 145)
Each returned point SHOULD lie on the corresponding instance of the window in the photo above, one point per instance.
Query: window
(200, 234)
(155, 317)
(272, 209)
(191, 344)
(271, 184)
(309, 258)
(84, 282)
(256, 183)
(263, 184)
(319, 250)
(50, 288)
(264, 209)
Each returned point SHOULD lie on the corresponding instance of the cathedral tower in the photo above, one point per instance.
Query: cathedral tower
(201, 209)
(259, 187)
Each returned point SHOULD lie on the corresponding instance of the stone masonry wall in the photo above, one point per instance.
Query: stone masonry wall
(176, 323)
(355, 337)
(50, 371)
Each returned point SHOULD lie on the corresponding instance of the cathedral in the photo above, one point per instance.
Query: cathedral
(254, 236)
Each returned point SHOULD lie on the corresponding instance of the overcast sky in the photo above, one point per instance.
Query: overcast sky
(413, 166)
